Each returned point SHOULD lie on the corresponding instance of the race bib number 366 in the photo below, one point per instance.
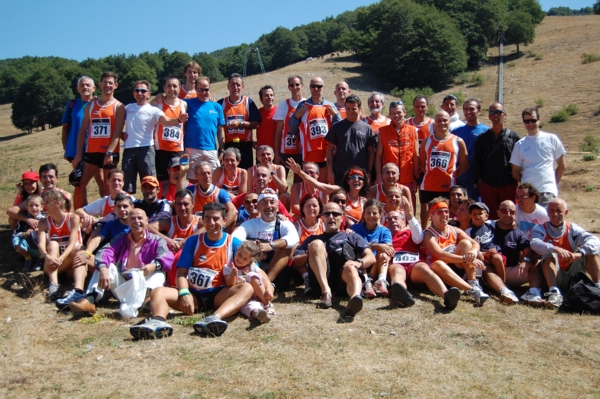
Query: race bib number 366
(318, 128)
(100, 128)
(439, 159)
(201, 278)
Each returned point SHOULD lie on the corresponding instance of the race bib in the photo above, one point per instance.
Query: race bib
(439, 159)
(172, 133)
(201, 278)
(100, 128)
(404, 257)
(318, 128)
(290, 143)
(450, 248)
(231, 118)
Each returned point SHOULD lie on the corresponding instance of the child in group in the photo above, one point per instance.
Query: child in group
(25, 239)
(244, 269)
(482, 231)
(379, 239)
(29, 185)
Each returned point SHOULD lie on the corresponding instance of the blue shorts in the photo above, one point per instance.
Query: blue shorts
(20, 242)
(206, 300)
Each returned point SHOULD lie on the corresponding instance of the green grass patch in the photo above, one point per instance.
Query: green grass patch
(590, 144)
(186, 321)
(560, 116)
(589, 157)
(589, 57)
(539, 102)
(572, 109)
(589, 189)
(477, 79)
(511, 64)
(538, 57)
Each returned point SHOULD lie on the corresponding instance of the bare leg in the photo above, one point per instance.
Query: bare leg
(259, 290)
(53, 252)
(99, 177)
(317, 261)
(352, 280)
(424, 212)
(462, 248)
(398, 274)
(162, 299)
(230, 300)
(592, 266)
(549, 270)
(448, 276)
(422, 274)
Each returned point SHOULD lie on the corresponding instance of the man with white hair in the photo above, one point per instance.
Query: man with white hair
(376, 119)
(275, 237)
(566, 249)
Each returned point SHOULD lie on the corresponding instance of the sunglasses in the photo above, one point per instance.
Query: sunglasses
(526, 121)
(339, 201)
(141, 90)
(352, 98)
(396, 103)
(296, 85)
(316, 86)
(334, 214)
(496, 112)
(201, 90)
(254, 201)
(508, 211)
(356, 177)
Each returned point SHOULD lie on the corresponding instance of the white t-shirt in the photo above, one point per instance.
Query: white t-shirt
(527, 221)
(536, 156)
(140, 122)
(282, 109)
(258, 229)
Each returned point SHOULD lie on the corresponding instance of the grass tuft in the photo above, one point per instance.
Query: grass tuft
(560, 116)
(589, 57)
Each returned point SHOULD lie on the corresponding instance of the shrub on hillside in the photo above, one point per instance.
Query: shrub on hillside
(587, 58)
(408, 96)
(539, 102)
(590, 144)
(477, 79)
(511, 64)
(560, 116)
(538, 57)
(572, 109)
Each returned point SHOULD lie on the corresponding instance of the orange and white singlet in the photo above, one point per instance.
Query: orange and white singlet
(169, 138)
(380, 194)
(102, 126)
(304, 232)
(375, 126)
(304, 190)
(447, 244)
(107, 207)
(399, 149)
(201, 199)
(271, 185)
(208, 263)
(288, 144)
(176, 231)
(231, 186)
(561, 242)
(239, 111)
(440, 164)
(354, 211)
(184, 94)
(62, 233)
(313, 128)
(422, 129)
(342, 111)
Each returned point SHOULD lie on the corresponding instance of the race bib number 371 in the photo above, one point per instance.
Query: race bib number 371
(100, 128)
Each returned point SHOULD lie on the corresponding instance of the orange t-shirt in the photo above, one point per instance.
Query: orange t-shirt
(355, 212)
(304, 232)
(239, 111)
(375, 126)
(422, 129)
(313, 129)
(561, 242)
(440, 164)
(447, 244)
(184, 94)
(399, 144)
(169, 138)
(288, 145)
(102, 126)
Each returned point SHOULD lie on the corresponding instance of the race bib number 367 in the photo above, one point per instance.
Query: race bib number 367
(201, 278)
(100, 128)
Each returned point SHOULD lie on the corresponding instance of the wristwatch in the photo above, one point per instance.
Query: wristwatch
(272, 244)
(109, 153)
(362, 262)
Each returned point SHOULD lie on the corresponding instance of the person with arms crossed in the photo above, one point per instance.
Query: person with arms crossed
(265, 133)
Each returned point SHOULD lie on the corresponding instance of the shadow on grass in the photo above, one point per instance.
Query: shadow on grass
(13, 136)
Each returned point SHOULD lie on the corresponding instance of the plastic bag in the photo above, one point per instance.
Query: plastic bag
(131, 294)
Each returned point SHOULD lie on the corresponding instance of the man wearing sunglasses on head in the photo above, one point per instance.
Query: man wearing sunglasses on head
(311, 121)
(336, 259)
(141, 119)
(533, 157)
(492, 170)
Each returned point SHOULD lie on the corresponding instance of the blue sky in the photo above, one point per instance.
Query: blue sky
(82, 29)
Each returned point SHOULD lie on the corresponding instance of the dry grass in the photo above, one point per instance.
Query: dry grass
(494, 351)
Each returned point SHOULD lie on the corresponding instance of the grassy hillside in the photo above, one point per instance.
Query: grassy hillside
(494, 351)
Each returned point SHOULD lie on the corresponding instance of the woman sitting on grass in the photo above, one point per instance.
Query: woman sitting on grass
(310, 224)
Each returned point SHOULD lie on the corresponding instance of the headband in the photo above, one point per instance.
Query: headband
(262, 196)
(438, 205)
(356, 172)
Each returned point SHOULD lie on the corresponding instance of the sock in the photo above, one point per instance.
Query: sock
(90, 298)
(473, 283)
(79, 291)
(535, 291)
(381, 277)
(159, 318)
(504, 291)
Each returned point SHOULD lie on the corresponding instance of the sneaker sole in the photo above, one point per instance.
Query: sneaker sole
(551, 306)
(216, 327)
(452, 298)
(401, 295)
(481, 301)
(508, 300)
(75, 308)
(139, 332)
(263, 316)
(355, 305)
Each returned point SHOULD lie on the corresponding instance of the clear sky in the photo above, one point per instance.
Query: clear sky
(82, 29)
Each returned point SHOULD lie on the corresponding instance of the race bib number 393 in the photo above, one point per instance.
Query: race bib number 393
(318, 127)
(439, 159)
(201, 278)
(100, 128)
(172, 133)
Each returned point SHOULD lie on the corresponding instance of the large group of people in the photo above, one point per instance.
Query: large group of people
(219, 230)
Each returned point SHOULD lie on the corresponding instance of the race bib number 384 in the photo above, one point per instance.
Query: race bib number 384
(201, 278)
(172, 133)
(100, 128)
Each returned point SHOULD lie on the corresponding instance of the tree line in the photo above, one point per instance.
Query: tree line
(408, 43)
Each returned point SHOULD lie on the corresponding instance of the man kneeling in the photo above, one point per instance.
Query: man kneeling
(200, 282)
(336, 259)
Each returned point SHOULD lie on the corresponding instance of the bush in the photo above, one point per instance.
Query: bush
(589, 157)
(462, 78)
(539, 102)
(572, 109)
(538, 57)
(511, 64)
(477, 79)
(587, 58)
(560, 116)
(460, 96)
(590, 144)
(530, 54)
(589, 189)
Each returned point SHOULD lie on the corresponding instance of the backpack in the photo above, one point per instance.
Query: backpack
(584, 296)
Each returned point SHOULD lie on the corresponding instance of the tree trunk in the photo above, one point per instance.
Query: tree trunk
(518, 50)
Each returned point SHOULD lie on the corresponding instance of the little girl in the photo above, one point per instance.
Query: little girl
(244, 269)
(25, 239)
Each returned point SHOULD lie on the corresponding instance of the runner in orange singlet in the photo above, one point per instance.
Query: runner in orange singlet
(229, 177)
(104, 120)
(168, 140)
(192, 70)
(439, 155)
